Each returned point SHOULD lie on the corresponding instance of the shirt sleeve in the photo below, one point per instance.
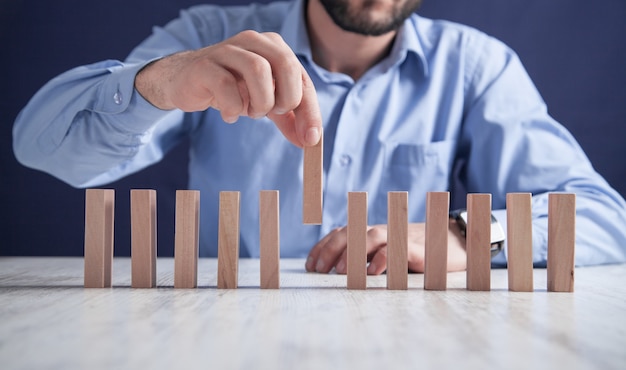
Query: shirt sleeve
(511, 144)
(89, 126)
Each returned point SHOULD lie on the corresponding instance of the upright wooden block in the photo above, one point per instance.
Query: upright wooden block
(519, 241)
(99, 215)
(561, 241)
(186, 238)
(436, 243)
(397, 240)
(312, 188)
(269, 236)
(478, 242)
(357, 234)
(143, 238)
(228, 240)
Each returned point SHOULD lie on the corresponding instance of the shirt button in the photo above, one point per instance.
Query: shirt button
(345, 160)
(117, 98)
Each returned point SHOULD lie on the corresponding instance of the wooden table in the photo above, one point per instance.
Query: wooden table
(49, 321)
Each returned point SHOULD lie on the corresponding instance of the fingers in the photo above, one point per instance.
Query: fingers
(302, 126)
(270, 81)
(331, 251)
(377, 249)
(378, 263)
(254, 74)
(270, 69)
(294, 91)
(307, 113)
(325, 254)
(287, 72)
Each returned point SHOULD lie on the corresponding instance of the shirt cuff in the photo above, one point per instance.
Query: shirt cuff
(118, 95)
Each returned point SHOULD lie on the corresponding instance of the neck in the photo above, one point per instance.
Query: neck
(337, 50)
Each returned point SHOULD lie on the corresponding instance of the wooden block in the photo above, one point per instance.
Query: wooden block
(561, 241)
(357, 234)
(143, 238)
(269, 238)
(99, 215)
(228, 240)
(436, 243)
(478, 242)
(519, 241)
(312, 188)
(397, 240)
(186, 239)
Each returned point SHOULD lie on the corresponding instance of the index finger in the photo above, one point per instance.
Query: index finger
(303, 125)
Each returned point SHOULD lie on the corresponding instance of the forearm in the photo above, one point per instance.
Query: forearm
(87, 125)
(600, 235)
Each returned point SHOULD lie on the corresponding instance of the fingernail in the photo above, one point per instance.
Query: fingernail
(371, 269)
(312, 136)
(320, 266)
(341, 267)
(309, 264)
(280, 111)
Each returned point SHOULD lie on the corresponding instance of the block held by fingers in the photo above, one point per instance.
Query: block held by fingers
(312, 188)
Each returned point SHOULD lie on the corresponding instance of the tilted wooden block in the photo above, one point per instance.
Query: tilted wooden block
(357, 234)
(99, 215)
(313, 184)
(519, 241)
(228, 240)
(186, 238)
(269, 235)
(436, 243)
(397, 240)
(478, 242)
(561, 241)
(143, 238)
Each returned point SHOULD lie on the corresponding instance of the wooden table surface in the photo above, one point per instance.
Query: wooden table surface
(49, 321)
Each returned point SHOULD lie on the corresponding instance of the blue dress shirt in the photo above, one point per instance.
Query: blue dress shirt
(450, 108)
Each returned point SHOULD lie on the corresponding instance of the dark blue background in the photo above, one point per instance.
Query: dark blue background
(574, 50)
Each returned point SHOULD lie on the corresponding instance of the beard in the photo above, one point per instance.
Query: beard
(361, 19)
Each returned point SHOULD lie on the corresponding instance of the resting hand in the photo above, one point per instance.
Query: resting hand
(250, 74)
(331, 252)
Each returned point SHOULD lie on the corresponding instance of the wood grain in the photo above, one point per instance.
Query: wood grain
(436, 243)
(313, 183)
(228, 240)
(561, 241)
(143, 237)
(478, 242)
(99, 217)
(397, 240)
(519, 241)
(357, 236)
(269, 238)
(186, 239)
(312, 322)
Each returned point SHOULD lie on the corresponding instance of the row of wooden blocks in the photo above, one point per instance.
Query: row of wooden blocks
(561, 240)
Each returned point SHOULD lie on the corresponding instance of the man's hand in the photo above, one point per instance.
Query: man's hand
(250, 74)
(331, 250)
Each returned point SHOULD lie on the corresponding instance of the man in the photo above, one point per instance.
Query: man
(406, 103)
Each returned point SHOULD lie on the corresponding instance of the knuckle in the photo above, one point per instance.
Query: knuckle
(274, 36)
(247, 34)
(376, 233)
(223, 81)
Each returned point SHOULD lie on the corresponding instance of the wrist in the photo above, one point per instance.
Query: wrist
(148, 85)
(497, 232)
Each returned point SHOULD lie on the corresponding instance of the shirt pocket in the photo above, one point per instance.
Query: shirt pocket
(416, 168)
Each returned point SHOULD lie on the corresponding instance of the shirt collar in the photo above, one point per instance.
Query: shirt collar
(295, 34)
